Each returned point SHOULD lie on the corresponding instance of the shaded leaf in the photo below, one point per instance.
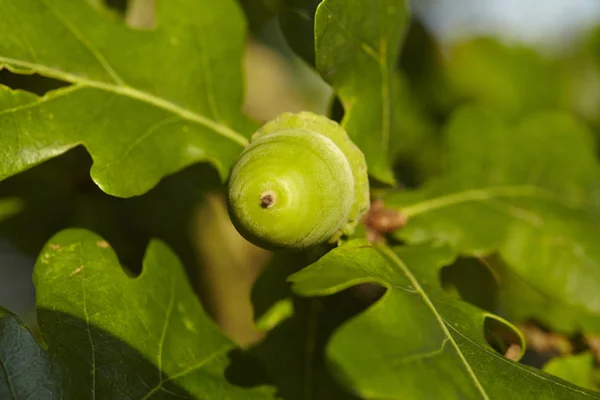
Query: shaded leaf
(297, 21)
(145, 102)
(259, 12)
(422, 62)
(63, 187)
(576, 368)
(416, 334)
(297, 330)
(114, 334)
(512, 80)
(26, 371)
(579, 72)
(413, 137)
(529, 192)
(9, 206)
(469, 280)
(356, 52)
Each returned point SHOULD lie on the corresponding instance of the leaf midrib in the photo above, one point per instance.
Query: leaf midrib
(517, 365)
(130, 92)
(380, 56)
(451, 199)
(393, 258)
(217, 353)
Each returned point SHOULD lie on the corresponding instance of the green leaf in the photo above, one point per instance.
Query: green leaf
(145, 102)
(356, 52)
(578, 70)
(575, 368)
(512, 80)
(9, 206)
(413, 130)
(529, 192)
(417, 342)
(144, 336)
(26, 371)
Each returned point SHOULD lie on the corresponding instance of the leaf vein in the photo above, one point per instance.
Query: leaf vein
(392, 257)
(145, 135)
(385, 90)
(8, 380)
(52, 95)
(165, 328)
(127, 91)
(367, 48)
(519, 191)
(515, 364)
(86, 43)
(210, 94)
(189, 370)
(422, 356)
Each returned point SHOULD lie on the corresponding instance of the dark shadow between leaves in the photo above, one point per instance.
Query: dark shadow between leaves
(292, 356)
(544, 344)
(336, 111)
(60, 194)
(470, 280)
(34, 83)
(409, 173)
(297, 21)
(503, 338)
(120, 370)
(118, 6)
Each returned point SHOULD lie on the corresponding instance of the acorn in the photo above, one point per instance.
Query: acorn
(300, 182)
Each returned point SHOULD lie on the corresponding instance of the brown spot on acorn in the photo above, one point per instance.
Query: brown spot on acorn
(268, 199)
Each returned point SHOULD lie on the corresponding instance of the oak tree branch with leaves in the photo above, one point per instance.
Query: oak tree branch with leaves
(385, 216)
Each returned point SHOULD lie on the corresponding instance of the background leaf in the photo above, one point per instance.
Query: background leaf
(356, 52)
(9, 206)
(575, 368)
(416, 334)
(513, 80)
(155, 339)
(145, 102)
(530, 192)
(297, 330)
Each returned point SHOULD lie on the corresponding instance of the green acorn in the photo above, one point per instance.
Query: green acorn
(299, 182)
